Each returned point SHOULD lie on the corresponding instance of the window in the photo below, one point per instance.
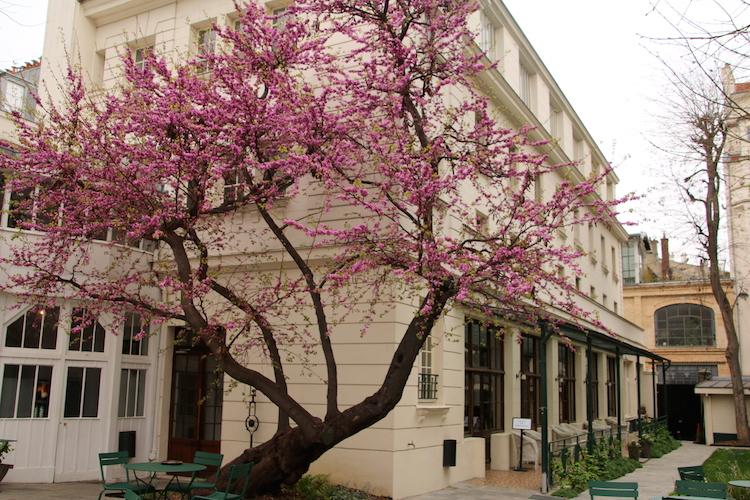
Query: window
(25, 391)
(132, 393)
(566, 374)
(615, 307)
(594, 384)
(578, 283)
(121, 236)
(602, 251)
(529, 375)
(14, 96)
(36, 329)
(482, 223)
(82, 392)
(20, 209)
(556, 122)
(486, 35)
(526, 87)
(280, 16)
(427, 380)
(685, 325)
(613, 260)
(592, 293)
(484, 376)
(141, 57)
(135, 336)
(611, 386)
(86, 334)
(538, 189)
(233, 185)
(592, 245)
(577, 149)
(628, 265)
(205, 41)
(577, 226)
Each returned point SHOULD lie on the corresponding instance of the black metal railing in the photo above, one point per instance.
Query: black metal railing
(428, 385)
(571, 449)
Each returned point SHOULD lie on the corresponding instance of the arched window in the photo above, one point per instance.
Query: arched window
(685, 325)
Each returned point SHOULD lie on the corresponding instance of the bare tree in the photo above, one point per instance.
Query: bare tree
(698, 140)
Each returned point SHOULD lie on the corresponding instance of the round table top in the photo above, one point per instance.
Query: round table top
(740, 483)
(165, 468)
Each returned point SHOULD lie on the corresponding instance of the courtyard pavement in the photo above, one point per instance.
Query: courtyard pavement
(655, 478)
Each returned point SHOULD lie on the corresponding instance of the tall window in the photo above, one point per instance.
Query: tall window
(483, 401)
(82, 392)
(25, 391)
(628, 265)
(566, 363)
(530, 378)
(36, 329)
(135, 335)
(86, 334)
(132, 393)
(556, 123)
(427, 380)
(205, 41)
(141, 57)
(685, 325)
(577, 149)
(486, 35)
(14, 96)
(611, 386)
(20, 209)
(526, 86)
(594, 384)
(233, 183)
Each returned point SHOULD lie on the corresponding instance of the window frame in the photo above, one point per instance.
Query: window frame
(566, 379)
(17, 390)
(83, 394)
(54, 328)
(80, 314)
(667, 327)
(123, 400)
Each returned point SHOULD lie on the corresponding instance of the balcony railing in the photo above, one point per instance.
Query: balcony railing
(428, 386)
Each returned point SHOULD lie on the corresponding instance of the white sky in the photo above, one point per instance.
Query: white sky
(597, 50)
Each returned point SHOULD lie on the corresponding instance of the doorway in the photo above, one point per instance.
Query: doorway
(196, 401)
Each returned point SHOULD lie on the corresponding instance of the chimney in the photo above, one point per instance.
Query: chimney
(665, 271)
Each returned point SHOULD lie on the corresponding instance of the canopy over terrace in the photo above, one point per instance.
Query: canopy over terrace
(603, 342)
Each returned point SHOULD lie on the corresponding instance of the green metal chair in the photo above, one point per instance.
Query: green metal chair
(237, 474)
(120, 458)
(700, 489)
(693, 473)
(202, 458)
(131, 495)
(613, 489)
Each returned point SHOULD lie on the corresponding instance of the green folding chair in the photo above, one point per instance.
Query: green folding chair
(700, 489)
(120, 458)
(131, 495)
(237, 474)
(693, 473)
(202, 458)
(615, 489)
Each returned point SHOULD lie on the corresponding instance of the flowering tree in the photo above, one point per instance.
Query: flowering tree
(345, 158)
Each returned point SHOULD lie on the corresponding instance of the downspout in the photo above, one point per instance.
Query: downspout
(543, 404)
(653, 386)
(638, 392)
(619, 394)
(589, 398)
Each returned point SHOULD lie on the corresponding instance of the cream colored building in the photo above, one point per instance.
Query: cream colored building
(447, 397)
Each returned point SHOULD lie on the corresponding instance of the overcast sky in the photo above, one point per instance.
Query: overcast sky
(599, 51)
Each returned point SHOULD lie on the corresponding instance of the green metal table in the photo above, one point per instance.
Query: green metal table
(740, 483)
(154, 468)
(675, 497)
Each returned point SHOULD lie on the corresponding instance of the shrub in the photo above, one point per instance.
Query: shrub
(318, 487)
(726, 465)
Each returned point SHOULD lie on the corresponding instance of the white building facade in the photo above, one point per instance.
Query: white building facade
(467, 386)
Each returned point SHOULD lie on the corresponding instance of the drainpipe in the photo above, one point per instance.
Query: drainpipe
(589, 398)
(619, 398)
(638, 392)
(653, 386)
(543, 405)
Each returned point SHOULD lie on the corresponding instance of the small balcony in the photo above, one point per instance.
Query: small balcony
(428, 386)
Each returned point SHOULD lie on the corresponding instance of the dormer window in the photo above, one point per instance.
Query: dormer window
(14, 96)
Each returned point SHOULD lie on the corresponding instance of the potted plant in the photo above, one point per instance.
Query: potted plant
(5, 448)
(634, 450)
(647, 441)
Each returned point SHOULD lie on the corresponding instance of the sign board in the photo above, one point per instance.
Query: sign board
(522, 423)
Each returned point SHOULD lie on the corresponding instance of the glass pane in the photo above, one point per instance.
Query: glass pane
(73, 389)
(8, 394)
(26, 391)
(14, 333)
(98, 338)
(41, 398)
(49, 338)
(87, 338)
(141, 393)
(132, 388)
(91, 392)
(123, 398)
(32, 335)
